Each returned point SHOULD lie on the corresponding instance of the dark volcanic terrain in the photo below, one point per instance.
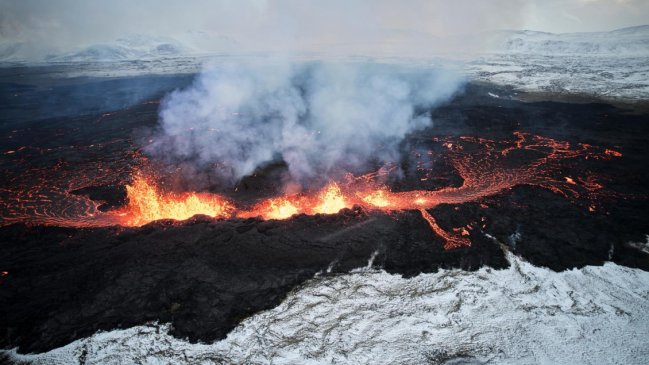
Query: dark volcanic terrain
(206, 275)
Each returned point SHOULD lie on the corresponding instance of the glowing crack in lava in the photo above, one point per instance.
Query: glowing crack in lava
(485, 166)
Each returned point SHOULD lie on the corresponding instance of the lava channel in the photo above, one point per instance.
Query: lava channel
(486, 167)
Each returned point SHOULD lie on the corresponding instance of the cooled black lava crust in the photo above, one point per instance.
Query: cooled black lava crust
(205, 276)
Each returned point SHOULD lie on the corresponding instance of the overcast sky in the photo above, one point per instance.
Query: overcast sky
(302, 24)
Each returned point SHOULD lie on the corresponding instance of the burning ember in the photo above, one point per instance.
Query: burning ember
(486, 170)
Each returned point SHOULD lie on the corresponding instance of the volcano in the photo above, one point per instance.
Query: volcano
(95, 236)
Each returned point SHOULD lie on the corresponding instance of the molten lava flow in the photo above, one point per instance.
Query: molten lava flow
(452, 241)
(331, 200)
(612, 153)
(485, 167)
(377, 199)
(146, 203)
(275, 208)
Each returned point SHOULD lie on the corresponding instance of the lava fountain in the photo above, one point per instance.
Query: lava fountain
(486, 167)
(146, 203)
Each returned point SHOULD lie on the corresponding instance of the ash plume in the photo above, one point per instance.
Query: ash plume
(321, 119)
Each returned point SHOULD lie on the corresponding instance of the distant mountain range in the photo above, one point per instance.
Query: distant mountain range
(128, 48)
(623, 42)
(131, 47)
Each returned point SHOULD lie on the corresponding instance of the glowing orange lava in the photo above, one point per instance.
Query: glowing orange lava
(486, 167)
(612, 153)
(146, 203)
(377, 198)
(331, 200)
(275, 208)
(452, 241)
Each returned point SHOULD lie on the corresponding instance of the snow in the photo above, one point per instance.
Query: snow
(520, 315)
(10, 51)
(606, 77)
(132, 47)
(610, 65)
(642, 246)
(633, 41)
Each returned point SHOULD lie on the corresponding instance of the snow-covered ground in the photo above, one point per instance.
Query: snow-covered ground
(520, 315)
(632, 41)
(612, 65)
(607, 77)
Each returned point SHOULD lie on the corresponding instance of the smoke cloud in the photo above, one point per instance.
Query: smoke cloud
(321, 119)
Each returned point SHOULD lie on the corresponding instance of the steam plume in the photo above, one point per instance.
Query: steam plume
(319, 118)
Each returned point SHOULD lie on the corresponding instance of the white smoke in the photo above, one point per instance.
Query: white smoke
(319, 118)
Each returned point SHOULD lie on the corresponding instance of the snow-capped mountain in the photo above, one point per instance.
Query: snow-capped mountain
(631, 41)
(133, 47)
(10, 51)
